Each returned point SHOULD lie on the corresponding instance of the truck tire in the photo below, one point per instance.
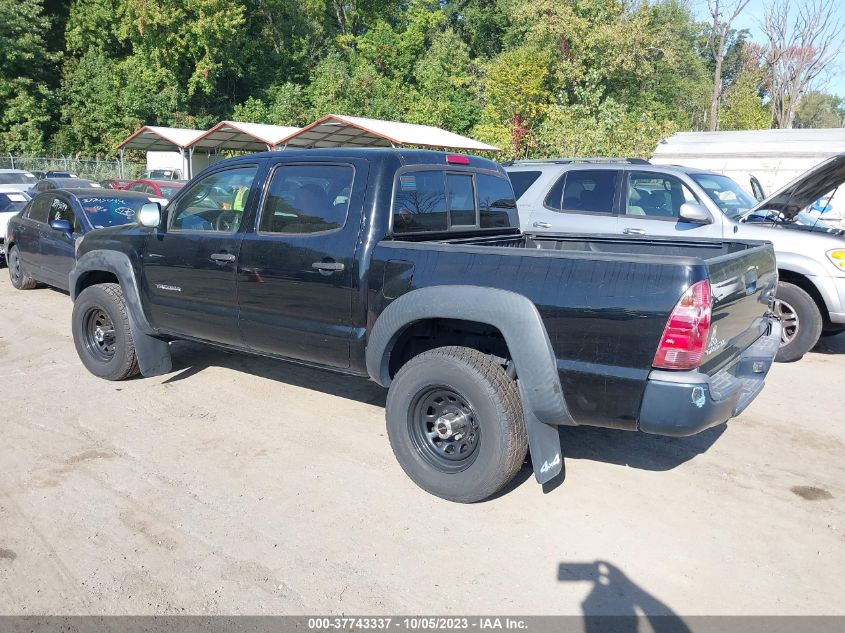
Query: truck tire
(801, 321)
(454, 420)
(102, 334)
(17, 273)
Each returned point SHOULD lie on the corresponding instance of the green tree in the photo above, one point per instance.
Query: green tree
(820, 110)
(25, 66)
(516, 90)
(446, 81)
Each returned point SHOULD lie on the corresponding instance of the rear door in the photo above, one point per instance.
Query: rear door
(580, 201)
(28, 239)
(651, 203)
(189, 265)
(57, 256)
(297, 272)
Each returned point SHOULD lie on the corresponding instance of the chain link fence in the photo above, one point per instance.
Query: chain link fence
(90, 168)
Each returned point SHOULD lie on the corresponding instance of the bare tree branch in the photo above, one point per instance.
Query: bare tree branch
(798, 50)
(722, 13)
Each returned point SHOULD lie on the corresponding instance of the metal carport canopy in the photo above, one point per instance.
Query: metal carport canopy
(242, 137)
(152, 138)
(336, 130)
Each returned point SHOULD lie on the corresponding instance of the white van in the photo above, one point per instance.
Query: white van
(761, 161)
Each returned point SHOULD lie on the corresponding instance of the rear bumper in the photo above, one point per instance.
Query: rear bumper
(684, 403)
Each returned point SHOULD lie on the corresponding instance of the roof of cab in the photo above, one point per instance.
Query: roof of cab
(405, 156)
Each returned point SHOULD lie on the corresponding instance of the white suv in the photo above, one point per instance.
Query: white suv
(634, 197)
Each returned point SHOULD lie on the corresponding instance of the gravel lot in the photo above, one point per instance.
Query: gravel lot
(241, 485)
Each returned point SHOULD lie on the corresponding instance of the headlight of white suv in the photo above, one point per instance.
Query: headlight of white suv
(837, 257)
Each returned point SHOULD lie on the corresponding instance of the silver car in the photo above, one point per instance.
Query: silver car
(633, 197)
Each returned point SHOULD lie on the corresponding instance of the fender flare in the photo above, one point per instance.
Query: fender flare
(153, 353)
(517, 318)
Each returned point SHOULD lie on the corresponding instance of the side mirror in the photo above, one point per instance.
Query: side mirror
(62, 225)
(150, 215)
(695, 213)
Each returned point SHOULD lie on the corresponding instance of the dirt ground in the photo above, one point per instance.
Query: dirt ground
(240, 485)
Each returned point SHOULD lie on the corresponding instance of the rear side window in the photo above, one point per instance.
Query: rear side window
(522, 180)
(307, 199)
(39, 210)
(432, 200)
(590, 190)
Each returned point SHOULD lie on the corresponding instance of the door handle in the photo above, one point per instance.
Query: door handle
(633, 232)
(222, 258)
(542, 225)
(327, 268)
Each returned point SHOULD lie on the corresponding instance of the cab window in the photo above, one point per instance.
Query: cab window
(496, 203)
(420, 202)
(307, 199)
(433, 200)
(215, 203)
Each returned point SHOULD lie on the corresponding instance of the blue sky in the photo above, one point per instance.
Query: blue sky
(750, 19)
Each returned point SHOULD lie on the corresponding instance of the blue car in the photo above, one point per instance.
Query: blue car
(40, 239)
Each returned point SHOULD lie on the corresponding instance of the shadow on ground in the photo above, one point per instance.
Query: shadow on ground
(189, 359)
(616, 603)
(635, 450)
(830, 345)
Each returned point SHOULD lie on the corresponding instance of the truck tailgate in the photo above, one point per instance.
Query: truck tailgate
(742, 284)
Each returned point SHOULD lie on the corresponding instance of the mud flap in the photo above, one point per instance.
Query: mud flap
(153, 353)
(544, 445)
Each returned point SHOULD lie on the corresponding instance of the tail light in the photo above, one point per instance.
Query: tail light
(684, 338)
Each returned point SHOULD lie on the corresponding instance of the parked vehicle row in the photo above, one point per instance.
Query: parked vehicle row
(630, 197)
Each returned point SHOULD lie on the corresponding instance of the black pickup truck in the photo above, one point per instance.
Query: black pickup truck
(409, 267)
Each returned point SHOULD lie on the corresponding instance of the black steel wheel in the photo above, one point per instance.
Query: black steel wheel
(99, 334)
(454, 420)
(444, 429)
(102, 333)
(17, 274)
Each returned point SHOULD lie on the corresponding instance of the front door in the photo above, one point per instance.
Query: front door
(651, 204)
(297, 271)
(189, 265)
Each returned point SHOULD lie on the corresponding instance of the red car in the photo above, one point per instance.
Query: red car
(162, 188)
(115, 183)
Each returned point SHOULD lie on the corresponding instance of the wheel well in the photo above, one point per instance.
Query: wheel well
(94, 277)
(807, 286)
(428, 334)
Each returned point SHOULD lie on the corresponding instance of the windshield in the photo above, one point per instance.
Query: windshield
(728, 196)
(17, 178)
(111, 210)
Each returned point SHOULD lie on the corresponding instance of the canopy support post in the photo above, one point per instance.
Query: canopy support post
(120, 169)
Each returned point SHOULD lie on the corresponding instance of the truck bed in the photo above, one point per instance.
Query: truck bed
(604, 300)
